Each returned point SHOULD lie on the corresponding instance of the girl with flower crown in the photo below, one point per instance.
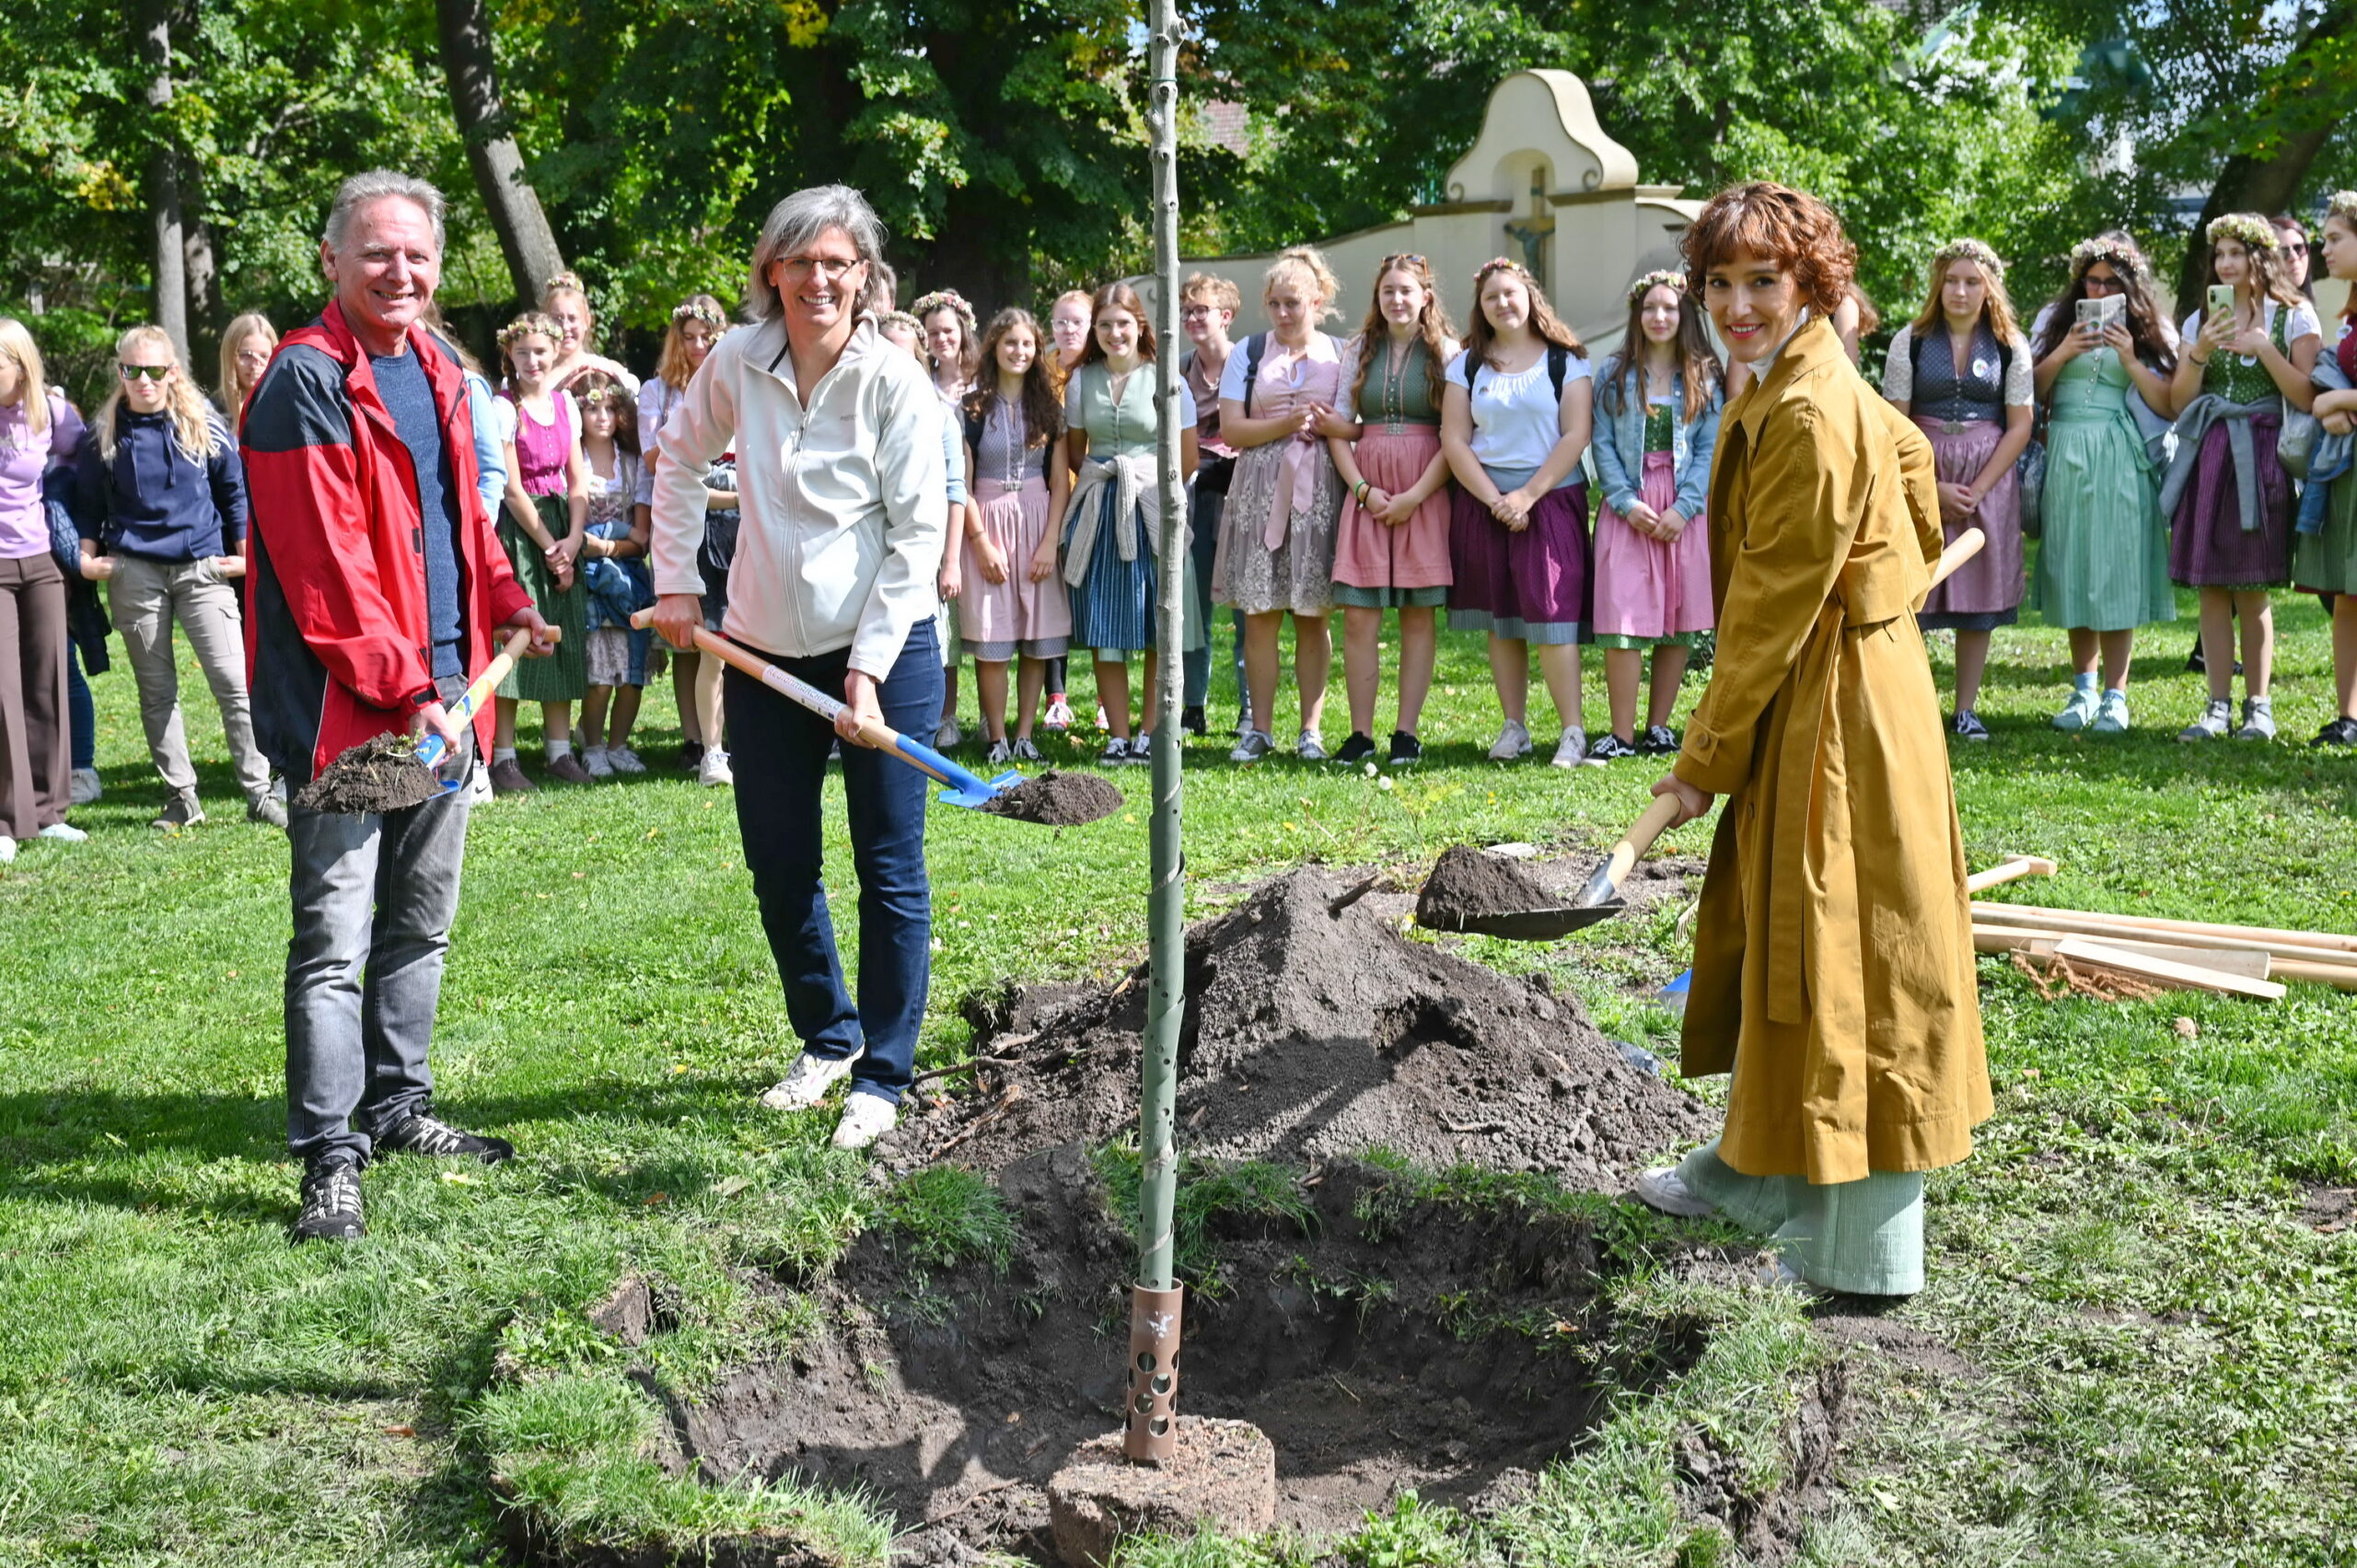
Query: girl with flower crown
(1391, 545)
(1962, 370)
(697, 324)
(1014, 472)
(546, 520)
(1514, 423)
(2226, 495)
(1657, 422)
(952, 353)
(2103, 567)
(2324, 555)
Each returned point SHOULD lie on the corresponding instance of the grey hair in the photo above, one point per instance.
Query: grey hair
(377, 183)
(797, 223)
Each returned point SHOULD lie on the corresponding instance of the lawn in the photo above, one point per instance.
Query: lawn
(2145, 1353)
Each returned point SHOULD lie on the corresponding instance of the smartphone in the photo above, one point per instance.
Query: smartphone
(2221, 299)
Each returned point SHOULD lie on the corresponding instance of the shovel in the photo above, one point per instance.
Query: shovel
(389, 774)
(966, 789)
(1600, 899)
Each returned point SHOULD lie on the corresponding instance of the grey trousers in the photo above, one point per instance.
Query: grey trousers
(373, 899)
(147, 598)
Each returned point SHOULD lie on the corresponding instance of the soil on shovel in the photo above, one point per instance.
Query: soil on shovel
(378, 775)
(1313, 1030)
(1467, 882)
(1057, 800)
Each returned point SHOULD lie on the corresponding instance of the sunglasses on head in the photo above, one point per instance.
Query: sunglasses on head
(1407, 257)
(152, 372)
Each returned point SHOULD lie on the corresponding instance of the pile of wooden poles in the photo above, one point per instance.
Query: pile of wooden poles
(2174, 954)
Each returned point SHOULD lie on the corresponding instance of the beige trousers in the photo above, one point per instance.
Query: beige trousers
(146, 598)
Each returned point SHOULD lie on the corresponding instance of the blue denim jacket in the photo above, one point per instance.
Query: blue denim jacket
(2334, 454)
(1619, 445)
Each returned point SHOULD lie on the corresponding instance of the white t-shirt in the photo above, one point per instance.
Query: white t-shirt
(1516, 418)
(2303, 324)
(1280, 366)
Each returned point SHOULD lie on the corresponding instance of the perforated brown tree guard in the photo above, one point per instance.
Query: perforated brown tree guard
(1150, 1421)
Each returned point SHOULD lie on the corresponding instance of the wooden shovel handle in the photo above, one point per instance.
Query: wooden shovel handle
(1639, 839)
(2013, 868)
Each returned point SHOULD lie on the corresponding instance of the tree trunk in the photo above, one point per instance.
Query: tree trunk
(152, 26)
(525, 238)
(206, 317)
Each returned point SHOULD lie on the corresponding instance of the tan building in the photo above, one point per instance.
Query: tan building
(1544, 184)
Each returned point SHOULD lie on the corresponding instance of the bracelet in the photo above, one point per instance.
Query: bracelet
(2196, 362)
(1360, 494)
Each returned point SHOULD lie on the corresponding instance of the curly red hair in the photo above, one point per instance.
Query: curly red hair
(1789, 227)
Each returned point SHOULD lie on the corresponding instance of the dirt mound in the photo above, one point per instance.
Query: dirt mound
(1058, 800)
(1314, 1030)
(383, 774)
(1466, 882)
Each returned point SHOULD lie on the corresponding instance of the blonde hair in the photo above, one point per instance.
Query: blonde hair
(233, 337)
(1998, 310)
(1306, 264)
(19, 345)
(673, 369)
(1217, 292)
(196, 430)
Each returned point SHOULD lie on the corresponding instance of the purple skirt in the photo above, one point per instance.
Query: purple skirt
(1531, 586)
(1986, 591)
(2209, 547)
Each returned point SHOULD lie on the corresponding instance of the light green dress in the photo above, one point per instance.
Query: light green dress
(1864, 1237)
(2103, 559)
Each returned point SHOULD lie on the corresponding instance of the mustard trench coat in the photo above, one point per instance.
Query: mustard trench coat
(1833, 961)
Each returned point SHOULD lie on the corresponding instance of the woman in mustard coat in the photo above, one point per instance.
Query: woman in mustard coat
(1833, 961)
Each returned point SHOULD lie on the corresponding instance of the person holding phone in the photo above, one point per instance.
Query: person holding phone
(2247, 358)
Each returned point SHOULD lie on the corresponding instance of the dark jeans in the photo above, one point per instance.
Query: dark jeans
(80, 711)
(778, 751)
(1197, 665)
(373, 898)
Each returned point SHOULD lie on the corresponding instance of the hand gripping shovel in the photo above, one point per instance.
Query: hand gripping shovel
(1600, 898)
(393, 773)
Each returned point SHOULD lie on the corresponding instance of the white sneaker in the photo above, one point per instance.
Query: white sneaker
(622, 759)
(714, 770)
(1256, 744)
(596, 762)
(479, 785)
(944, 737)
(1102, 722)
(64, 833)
(807, 1081)
(1309, 748)
(1513, 740)
(84, 787)
(865, 1119)
(8, 850)
(1662, 1190)
(1059, 715)
(1571, 747)
(2216, 719)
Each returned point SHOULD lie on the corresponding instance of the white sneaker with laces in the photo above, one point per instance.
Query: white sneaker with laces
(1663, 1190)
(947, 734)
(64, 833)
(1059, 715)
(622, 759)
(1309, 748)
(806, 1082)
(1256, 744)
(1571, 747)
(714, 770)
(596, 760)
(85, 786)
(865, 1119)
(1513, 740)
(8, 850)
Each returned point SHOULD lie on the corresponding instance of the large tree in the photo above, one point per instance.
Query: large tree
(514, 207)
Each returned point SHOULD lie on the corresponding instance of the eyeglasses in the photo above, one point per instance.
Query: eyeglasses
(152, 372)
(2296, 248)
(828, 267)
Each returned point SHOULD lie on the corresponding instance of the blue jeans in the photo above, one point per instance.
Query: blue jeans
(81, 713)
(778, 751)
(1196, 664)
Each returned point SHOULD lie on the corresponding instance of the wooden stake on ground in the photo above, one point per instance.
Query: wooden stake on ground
(2013, 868)
(2248, 963)
(2164, 971)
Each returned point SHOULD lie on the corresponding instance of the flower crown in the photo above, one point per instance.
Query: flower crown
(1501, 263)
(1660, 277)
(943, 299)
(2342, 204)
(1971, 250)
(2118, 253)
(2256, 234)
(697, 310)
(603, 393)
(530, 324)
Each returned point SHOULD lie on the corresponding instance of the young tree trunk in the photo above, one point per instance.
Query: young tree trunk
(525, 238)
(152, 26)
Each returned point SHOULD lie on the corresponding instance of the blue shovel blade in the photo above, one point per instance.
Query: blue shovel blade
(971, 797)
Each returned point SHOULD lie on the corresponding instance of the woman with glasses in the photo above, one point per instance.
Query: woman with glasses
(160, 496)
(39, 431)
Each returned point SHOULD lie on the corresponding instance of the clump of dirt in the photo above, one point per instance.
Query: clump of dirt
(1467, 882)
(1387, 1340)
(1057, 800)
(378, 775)
(1767, 1527)
(1314, 1030)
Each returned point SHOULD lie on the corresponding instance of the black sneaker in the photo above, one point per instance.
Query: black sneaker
(1356, 749)
(691, 756)
(331, 1200)
(2339, 732)
(425, 1134)
(1609, 747)
(2195, 662)
(1193, 722)
(1406, 750)
(1659, 741)
(1969, 725)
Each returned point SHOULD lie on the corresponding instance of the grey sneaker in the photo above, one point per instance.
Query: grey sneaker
(2111, 714)
(1115, 755)
(622, 759)
(2258, 720)
(1309, 748)
(1000, 751)
(2079, 712)
(1256, 744)
(266, 811)
(1025, 751)
(807, 1081)
(1571, 747)
(1513, 740)
(85, 786)
(180, 811)
(2215, 720)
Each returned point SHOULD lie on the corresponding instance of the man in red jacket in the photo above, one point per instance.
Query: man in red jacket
(375, 584)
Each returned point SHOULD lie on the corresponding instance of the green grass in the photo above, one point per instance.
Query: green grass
(2164, 1355)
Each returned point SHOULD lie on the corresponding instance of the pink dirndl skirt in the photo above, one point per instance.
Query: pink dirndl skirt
(1372, 554)
(1644, 587)
(1986, 591)
(1001, 619)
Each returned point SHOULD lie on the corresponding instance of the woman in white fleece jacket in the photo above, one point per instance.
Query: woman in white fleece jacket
(842, 486)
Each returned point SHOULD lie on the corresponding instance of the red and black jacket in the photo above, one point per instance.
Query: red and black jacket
(336, 637)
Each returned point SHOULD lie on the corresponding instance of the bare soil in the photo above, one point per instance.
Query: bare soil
(378, 775)
(1465, 882)
(1057, 800)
